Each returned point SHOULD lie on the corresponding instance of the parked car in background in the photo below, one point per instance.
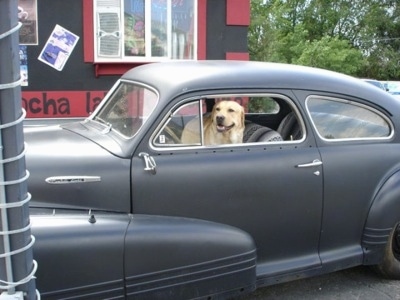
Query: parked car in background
(386, 85)
(393, 87)
(122, 208)
(376, 83)
(396, 94)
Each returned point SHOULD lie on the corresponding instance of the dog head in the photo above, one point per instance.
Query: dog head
(228, 116)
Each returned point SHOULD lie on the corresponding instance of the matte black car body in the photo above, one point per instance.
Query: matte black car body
(122, 213)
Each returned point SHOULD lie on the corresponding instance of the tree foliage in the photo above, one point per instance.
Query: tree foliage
(358, 37)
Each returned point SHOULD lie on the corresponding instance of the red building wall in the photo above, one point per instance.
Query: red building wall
(79, 87)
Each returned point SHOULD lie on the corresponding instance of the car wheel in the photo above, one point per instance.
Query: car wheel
(390, 265)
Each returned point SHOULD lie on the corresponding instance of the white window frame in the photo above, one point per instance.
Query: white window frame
(117, 6)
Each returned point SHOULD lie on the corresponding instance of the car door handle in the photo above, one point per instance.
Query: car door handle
(315, 163)
(150, 164)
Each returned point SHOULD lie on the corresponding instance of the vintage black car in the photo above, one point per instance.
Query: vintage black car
(123, 209)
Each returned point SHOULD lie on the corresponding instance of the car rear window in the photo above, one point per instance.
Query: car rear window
(337, 119)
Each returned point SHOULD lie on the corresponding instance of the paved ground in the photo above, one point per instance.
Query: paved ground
(359, 283)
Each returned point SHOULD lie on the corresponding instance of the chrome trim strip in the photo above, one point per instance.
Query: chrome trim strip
(72, 179)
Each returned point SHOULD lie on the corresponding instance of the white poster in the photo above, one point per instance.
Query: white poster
(58, 48)
(27, 15)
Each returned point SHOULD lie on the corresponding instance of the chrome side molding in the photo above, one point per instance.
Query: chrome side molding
(72, 179)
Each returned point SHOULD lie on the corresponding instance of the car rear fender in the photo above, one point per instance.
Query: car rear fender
(187, 258)
(384, 214)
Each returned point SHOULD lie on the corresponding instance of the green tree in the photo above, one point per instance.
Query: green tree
(359, 37)
(330, 53)
(380, 40)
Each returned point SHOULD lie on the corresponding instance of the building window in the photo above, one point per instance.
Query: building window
(144, 31)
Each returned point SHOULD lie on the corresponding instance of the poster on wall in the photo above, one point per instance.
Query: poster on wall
(23, 59)
(58, 48)
(27, 15)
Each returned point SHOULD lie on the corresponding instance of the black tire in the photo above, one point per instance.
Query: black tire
(253, 132)
(390, 265)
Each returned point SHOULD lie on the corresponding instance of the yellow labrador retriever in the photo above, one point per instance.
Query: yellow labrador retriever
(225, 125)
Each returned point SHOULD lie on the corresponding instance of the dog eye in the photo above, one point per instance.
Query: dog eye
(217, 109)
(231, 110)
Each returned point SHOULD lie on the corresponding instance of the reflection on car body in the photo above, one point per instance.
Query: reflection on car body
(314, 186)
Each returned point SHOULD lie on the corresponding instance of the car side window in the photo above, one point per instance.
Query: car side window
(171, 132)
(336, 119)
(231, 119)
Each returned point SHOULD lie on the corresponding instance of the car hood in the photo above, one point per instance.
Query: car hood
(69, 171)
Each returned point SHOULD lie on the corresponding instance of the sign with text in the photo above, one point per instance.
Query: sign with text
(60, 104)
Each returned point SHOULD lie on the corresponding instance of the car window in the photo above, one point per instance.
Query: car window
(171, 132)
(336, 119)
(262, 105)
(260, 118)
(128, 108)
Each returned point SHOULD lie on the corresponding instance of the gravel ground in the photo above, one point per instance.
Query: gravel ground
(360, 283)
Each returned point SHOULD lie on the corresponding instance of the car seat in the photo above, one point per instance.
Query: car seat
(289, 128)
(254, 133)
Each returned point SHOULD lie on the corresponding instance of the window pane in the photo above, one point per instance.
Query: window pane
(182, 29)
(134, 22)
(172, 131)
(128, 108)
(335, 119)
(145, 30)
(159, 27)
(228, 123)
(266, 105)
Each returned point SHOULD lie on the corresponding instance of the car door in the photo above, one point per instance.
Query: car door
(272, 190)
(355, 144)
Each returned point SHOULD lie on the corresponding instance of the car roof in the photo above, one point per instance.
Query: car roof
(178, 77)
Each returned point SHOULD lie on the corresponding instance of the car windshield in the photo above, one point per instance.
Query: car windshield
(127, 108)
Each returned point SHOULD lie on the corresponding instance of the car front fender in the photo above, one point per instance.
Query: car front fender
(79, 255)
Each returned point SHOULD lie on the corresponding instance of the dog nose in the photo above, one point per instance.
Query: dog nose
(220, 119)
